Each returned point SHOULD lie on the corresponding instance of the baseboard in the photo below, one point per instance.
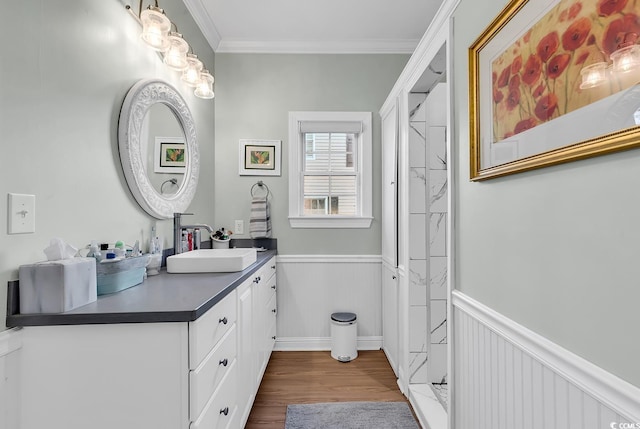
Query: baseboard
(322, 343)
(427, 407)
(10, 341)
(607, 389)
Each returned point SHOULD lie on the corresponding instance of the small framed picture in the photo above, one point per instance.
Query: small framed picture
(169, 155)
(259, 157)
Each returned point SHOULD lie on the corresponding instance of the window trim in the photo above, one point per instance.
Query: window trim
(365, 168)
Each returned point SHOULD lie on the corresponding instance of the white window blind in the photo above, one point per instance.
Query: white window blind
(330, 183)
(329, 171)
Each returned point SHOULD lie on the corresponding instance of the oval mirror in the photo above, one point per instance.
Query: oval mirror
(158, 148)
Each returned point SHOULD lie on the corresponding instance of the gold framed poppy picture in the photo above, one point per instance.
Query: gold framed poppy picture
(553, 81)
(259, 157)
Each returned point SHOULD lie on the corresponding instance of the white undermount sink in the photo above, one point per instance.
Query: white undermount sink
(211, 261)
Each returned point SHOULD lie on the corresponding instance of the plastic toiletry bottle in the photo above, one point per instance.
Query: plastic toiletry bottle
(196, 238)
(185, 241)
(94, 251)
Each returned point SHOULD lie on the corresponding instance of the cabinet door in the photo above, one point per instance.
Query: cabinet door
(246, 350)
(390, 332)
(389, 186)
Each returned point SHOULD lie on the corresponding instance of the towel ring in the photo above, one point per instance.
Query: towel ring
(260, 184)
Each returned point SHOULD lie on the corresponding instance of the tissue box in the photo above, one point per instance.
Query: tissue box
(114, 276)
(57, 286)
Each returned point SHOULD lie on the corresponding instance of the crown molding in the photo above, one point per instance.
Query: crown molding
(204, 22)
(406, 46)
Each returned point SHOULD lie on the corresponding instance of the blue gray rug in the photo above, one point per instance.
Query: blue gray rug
(350, 415)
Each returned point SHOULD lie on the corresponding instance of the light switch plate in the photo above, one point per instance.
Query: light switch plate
(21, 214)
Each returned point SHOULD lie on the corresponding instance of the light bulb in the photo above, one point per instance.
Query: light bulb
(155, 28)
(204, 89)
(593, 75)
(626, 59)
(191, 74)
(176, 56)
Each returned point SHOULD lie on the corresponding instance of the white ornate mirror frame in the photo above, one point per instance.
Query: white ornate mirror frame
(138, 101)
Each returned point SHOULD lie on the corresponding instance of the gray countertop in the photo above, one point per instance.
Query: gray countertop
(162, 298)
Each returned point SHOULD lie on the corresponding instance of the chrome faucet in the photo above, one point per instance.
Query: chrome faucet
(177, 230)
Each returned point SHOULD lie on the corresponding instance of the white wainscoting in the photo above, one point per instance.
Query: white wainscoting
(10, 345)
(311, 287)
(507, 376)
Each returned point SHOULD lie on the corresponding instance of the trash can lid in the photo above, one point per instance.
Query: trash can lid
(343, 317)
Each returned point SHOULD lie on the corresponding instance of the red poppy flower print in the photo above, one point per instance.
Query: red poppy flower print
(609, 7)
(582, 58)
(558, 65)
(503, 80)
(548, 46)
(537, 93)
(576, 34)
(546, 106)
(524, 125)
(514, 83)
(516, 64)
(617, 30)
(513, 98)
(532, 70)
(498, 96)
(574, 10)
(526, 36)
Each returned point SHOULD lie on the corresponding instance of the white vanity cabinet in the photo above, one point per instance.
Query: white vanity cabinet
(200, 374)
(257, 332)
(212, 362)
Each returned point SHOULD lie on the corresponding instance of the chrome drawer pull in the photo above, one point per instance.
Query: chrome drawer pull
(273, 267)
(224, 411)
(273, 338)
(274, 310)
(224, 321)
(223, 362)
(273, 287)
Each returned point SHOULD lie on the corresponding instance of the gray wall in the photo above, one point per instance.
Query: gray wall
(556, 249)
(254, 94)
(65, 69)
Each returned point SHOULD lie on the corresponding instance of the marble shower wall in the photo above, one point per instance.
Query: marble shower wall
(428, 229)
(419, 276)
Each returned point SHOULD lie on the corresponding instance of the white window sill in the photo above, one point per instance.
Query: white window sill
(330, 222)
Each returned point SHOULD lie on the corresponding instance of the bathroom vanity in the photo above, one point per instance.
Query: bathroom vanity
(179, 351)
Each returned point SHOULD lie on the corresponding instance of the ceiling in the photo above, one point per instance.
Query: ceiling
(303, 26)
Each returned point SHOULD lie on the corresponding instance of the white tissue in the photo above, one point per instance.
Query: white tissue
(58, 250)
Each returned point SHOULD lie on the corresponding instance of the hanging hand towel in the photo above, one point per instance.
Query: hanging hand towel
(260, 222)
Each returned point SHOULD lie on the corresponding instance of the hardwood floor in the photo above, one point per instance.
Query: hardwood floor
(310, 377)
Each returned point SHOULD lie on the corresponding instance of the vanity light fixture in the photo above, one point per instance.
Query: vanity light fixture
(176, 56)
(191, 73)
(204, 89)
(155, 28)
(626, 58)
(174, 49)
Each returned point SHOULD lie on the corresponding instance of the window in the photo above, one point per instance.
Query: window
(330, 178)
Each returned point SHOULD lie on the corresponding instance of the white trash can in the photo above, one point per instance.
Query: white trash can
(344, 333)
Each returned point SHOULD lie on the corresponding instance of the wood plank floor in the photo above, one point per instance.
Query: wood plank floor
(310, 377)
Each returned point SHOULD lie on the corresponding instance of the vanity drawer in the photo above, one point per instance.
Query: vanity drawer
(265, 272)
(221, 409)
(207, 330)
(205, 379)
